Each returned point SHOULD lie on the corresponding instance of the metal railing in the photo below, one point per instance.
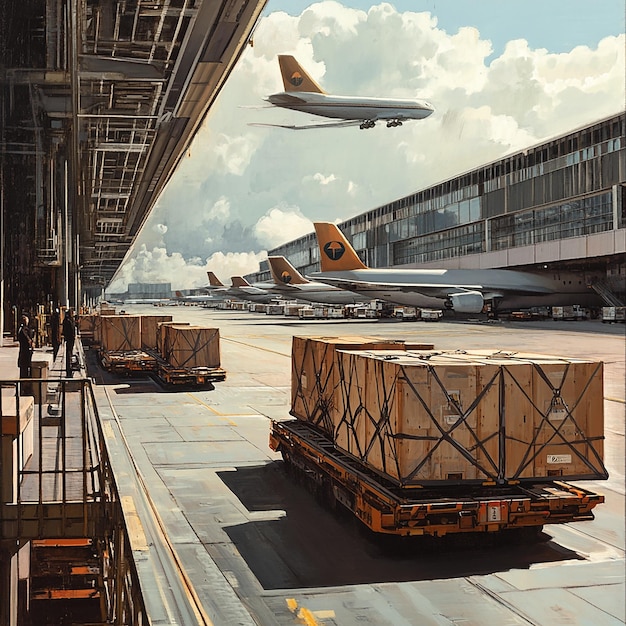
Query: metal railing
(56, 482)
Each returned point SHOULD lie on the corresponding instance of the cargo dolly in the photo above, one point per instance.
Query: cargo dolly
(127, 362)
(134, 361)
(383, 507)
(171, 375)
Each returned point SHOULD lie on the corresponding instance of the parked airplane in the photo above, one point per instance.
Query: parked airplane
(293, 285)
(302, 93)
(243, 290)
(215, 284)
(463, 290)
(199, 299)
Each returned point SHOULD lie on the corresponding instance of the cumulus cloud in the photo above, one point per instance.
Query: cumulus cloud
(157, 266)
(278, 226)
(243, 188)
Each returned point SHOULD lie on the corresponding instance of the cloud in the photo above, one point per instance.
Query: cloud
(242, 188)
(279, 226)
(157, 266)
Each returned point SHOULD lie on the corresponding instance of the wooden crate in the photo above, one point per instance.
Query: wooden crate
(162, 338)
(120, 332)
(149, 328)
(553, 413)
(422, 417)
(412, 421)
(191, 346)
(313, 375)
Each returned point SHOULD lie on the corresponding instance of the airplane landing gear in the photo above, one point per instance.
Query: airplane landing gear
(367, 124)
(392, 123)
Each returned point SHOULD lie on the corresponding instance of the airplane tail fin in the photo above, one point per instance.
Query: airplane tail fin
(284, 272)
(295, 78)
(239, 281)
(336, 253)
(178, 294)
(214, 281)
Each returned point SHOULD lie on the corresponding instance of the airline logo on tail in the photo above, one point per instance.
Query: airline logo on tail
(286, 277)
(334, 250)
(296, 79)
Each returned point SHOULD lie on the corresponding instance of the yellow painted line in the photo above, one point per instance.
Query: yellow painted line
(330, 614)
(620, 400)
(308, 617)
(250, 345)
(107, 430)
(134, 527)
(215, 411)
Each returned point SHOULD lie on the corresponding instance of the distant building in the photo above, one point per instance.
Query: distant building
(558, 204)
(143, 291)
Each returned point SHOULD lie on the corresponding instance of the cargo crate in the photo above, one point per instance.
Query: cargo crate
(190, 346)
(149, 328)
(119, 333)
(421, 417)
(314, 378)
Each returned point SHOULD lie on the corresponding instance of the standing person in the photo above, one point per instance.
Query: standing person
(55, 340)
(69, 334)
(25, 356)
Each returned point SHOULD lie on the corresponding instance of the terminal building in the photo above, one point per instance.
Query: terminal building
(557, 205)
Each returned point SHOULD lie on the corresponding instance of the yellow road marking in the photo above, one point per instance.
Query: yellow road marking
(309, 617)
(215, 411)
(107, 430)
(136, 535)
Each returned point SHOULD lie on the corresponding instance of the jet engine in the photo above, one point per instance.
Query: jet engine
(466, 302)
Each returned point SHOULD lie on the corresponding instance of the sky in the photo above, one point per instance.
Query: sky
(501, 75)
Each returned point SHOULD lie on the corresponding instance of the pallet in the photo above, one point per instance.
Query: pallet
(123, 362)
(171, 375)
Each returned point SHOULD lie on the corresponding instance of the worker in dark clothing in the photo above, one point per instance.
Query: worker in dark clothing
(69, 334)
(55, 340)
(25, 356)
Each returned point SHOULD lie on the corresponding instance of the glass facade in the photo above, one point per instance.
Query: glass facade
(571, 186)
(571, 219)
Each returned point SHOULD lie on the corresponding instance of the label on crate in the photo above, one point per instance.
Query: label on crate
(555, 459)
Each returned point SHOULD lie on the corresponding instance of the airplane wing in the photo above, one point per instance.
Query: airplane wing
(426, 289)
(339, 124)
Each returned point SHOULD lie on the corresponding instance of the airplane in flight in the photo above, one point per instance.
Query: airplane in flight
(303, 94)
(462, 290)
(293, 285)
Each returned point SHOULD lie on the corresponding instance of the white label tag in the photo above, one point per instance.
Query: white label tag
(451, 419)
(554, 459)
(493, 513)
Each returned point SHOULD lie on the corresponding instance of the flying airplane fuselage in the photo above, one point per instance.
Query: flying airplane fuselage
(352, 107)
(511, 289)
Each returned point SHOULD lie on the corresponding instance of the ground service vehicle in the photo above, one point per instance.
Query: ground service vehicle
(418, 441)
(386, 508)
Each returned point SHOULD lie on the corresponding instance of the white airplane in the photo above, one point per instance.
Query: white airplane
(463, 290)
(198, 299)
(303, 94)
(243, 290)
(293, 285)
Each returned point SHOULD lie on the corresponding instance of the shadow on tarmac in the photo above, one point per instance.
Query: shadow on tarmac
(309, 546)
